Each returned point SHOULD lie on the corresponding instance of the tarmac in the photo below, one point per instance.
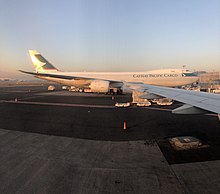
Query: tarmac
(66, 142)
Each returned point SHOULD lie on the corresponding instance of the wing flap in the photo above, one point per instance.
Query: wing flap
(188, 109)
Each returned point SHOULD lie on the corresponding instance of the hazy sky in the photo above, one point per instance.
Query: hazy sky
(110, 35)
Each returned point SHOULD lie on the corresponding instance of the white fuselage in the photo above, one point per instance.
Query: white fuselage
(166, 77)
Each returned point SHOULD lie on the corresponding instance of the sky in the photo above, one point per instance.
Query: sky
(110, 35)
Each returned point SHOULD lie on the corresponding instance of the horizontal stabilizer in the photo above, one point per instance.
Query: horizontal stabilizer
(188, 109)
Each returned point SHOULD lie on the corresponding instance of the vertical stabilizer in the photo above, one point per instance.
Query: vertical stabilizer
(40, 63)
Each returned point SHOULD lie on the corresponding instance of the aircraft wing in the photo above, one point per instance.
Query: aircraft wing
(67, 77)
(193, 100)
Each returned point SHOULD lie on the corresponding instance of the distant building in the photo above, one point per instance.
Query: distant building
(215, 82)
(200, 72)
(209, 77)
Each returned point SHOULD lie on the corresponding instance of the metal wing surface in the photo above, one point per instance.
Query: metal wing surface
(67, 77)
(202, 100)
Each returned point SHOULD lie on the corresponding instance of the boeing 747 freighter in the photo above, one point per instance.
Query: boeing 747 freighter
(103, 82)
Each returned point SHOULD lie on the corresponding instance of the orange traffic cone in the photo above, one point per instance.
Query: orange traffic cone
(125, 126)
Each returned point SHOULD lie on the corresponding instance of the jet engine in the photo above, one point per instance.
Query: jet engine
(99, 86)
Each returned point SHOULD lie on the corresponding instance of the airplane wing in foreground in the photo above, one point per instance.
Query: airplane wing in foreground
(194, 102)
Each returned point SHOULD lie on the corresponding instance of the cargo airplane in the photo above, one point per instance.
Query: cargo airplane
(103, 82)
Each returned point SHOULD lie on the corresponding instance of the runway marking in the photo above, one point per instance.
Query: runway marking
(31, 97)
(58, 104)
(15, 86)
(87, 106)
(76, 94)
(77, 105)
(15, 91)
(152, 108)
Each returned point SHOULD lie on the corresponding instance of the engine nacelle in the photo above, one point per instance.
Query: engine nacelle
(99, 86)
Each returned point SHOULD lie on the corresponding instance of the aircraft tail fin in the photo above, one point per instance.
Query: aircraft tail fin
(40, 63)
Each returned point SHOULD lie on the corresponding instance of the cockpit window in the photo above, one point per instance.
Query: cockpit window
(188, 74)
